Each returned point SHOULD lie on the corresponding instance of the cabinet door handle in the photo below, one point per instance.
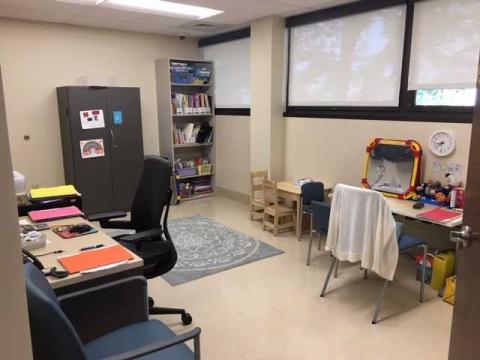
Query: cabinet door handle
(113, 138)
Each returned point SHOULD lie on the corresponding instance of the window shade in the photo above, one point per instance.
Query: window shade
(445, 44)
(349, 61)
(231, 72)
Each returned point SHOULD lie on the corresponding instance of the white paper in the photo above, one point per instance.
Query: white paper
(92, 119)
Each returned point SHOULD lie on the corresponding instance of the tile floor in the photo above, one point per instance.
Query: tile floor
(271, 309)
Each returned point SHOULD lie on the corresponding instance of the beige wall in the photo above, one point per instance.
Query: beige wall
(333, 150)
(233, 153)
(14, 330)
(38, 57)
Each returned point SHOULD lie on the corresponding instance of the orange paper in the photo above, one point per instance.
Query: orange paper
(94, 258)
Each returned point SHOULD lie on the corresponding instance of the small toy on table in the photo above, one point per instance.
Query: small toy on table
(433, 192)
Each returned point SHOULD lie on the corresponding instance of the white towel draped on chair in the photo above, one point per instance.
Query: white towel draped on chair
(362, 228)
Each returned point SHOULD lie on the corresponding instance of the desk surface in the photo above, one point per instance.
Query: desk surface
(290, 187)
(405, 208)
(73, 246)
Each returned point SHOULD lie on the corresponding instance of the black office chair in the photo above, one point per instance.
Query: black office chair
(149, 215)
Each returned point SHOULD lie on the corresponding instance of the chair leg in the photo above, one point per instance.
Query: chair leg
(319, 241)
(251, 212)
(196, 347)
(310, 248)
(153, 310)
(424, 268)
(365, 273)
(275, 225)
(334, 261)
(335, 274)
(378, 306)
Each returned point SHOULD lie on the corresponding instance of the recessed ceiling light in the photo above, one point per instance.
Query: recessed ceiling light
(161, 7)
(158, 7)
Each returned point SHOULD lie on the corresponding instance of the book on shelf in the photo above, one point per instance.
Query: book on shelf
(190, 104)
(187, 73)
(192, 133)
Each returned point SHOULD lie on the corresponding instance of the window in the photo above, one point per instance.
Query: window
(385, 59)
(445, 97)
(348, 61)
(231, 72)
(445, 49)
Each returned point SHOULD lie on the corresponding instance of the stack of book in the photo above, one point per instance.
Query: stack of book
(190, 104)
(201, 186)
(185, 133)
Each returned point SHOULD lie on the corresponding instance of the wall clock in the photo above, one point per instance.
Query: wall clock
(442, 143)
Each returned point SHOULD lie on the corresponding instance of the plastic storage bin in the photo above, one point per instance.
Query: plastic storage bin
(185, 172)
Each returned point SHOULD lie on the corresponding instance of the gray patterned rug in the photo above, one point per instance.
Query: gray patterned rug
(206, 247)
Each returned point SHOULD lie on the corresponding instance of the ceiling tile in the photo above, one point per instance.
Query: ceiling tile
(11, 3)
(41, 15)
(6, 11)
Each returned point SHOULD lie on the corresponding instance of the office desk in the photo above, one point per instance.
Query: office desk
(289, 191)
(71, 246)
(405, 208)
(28, 205)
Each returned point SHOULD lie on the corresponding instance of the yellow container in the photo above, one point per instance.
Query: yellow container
(443, 265)
(449, 293)
(204, 169)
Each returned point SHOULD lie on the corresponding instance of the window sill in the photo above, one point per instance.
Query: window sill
(422, 115)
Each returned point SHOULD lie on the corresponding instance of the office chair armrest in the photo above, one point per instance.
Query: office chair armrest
(143, 235)
(106, 215)
(106, 221)
(101, 309)
(162, 345)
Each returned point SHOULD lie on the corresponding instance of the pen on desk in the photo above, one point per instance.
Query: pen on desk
(91, 247)
(51, 252)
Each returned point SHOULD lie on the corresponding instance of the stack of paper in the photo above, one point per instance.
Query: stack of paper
(53, 192)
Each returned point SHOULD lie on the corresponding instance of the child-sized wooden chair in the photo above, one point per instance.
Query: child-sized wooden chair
(257, 203)
(276, 217)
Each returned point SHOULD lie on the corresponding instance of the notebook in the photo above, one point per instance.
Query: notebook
(95, 258)
(53, 192)
(439, 214)
(54, 214)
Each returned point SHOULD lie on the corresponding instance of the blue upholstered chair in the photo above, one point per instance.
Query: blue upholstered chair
(55, 338)
(312, 191)
(320, 213)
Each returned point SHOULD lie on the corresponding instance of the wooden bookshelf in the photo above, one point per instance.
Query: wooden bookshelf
(168, 120)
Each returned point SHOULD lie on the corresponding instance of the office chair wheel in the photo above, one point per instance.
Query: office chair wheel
(150, 302)
(186, 319)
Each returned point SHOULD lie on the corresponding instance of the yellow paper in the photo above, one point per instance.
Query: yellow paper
(56, 191)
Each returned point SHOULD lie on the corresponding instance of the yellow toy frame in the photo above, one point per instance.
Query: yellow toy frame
(415, 178)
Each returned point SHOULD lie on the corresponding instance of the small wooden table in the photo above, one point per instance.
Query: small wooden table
(289, 191)
(72, 246)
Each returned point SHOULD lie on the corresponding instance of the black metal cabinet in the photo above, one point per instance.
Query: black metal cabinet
(106, 182)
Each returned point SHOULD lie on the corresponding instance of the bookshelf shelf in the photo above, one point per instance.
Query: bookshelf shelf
(191, 85)
(195, 197)
(191, 177)
(191, 115)
(173, 94)
(191, 145)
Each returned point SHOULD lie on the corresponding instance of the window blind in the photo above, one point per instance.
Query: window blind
(231, 72)
(350, 61)
(445, 44)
